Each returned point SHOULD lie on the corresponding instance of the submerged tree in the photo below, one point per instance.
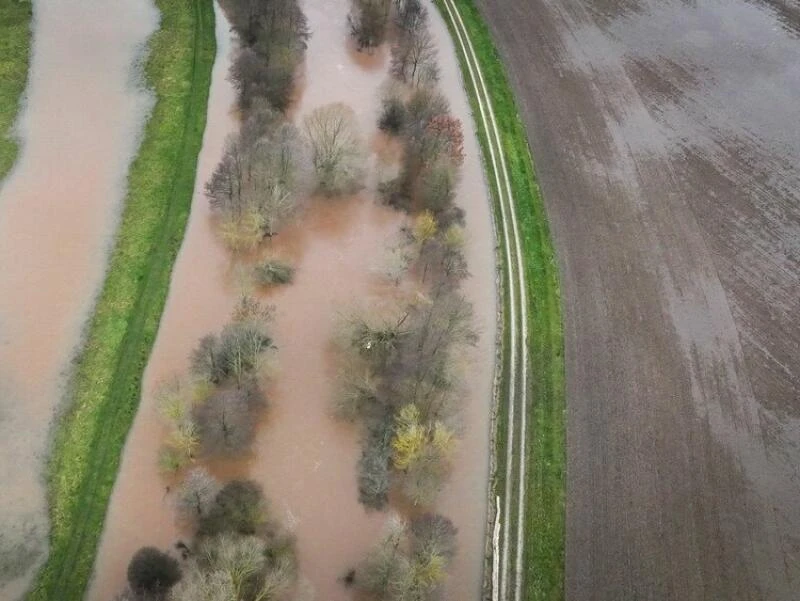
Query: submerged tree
(151, 573)
(196, 495)
(414, 58)
(337, 152)
(227, 420)
(273, 36)
(257, 184)
(410, 561)
(368, 21)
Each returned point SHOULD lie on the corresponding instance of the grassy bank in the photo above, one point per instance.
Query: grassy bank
(15, 46)
(105, 389)
(545, 452)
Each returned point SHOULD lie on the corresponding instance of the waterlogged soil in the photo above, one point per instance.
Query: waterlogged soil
(58, 212)
(304, 459)
(667, 142)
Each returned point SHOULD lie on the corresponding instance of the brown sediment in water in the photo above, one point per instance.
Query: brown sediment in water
(306, 460)
(58, 210)
(203, 292)
(463, 500)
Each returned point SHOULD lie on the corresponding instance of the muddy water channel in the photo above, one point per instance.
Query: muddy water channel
(305, 460)
(58, 211)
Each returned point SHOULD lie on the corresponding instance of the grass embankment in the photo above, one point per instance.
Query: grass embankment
(106, 384)
(545, 452)
(15, 46)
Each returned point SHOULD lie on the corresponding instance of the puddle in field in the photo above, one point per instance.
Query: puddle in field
(58, 211)
(305, 460)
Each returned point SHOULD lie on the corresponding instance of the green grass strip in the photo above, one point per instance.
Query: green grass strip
(15, 49)
(545, 453)
(106, 385)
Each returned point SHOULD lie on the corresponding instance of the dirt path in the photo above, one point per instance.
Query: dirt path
(667, 146)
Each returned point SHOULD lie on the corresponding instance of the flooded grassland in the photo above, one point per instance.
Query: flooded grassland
(304, 459)
(58, 211)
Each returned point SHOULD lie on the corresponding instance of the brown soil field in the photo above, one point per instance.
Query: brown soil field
(667, 141)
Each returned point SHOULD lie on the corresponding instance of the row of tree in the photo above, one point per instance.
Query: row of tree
(270, 166)
(401, 378)
(237, 551)
(213, 413)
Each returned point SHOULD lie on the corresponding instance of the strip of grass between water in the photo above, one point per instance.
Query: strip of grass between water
(106, 385)
(15, 48)
(545, 449)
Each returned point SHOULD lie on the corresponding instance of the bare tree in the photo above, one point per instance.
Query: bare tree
(410, 561)
(273, 35)
(257, 184)
(368, 20)
(337, 152)
(196, 495)
(227, 421)
(373, 467)
(409, 15)
(236, 353)
(386, 571)
(414, 58)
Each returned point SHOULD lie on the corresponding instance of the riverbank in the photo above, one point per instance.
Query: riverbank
(104, 392)
(15, 47)
(539, 525)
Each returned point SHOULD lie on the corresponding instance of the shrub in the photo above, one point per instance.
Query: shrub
(414, 58)
(273, 271)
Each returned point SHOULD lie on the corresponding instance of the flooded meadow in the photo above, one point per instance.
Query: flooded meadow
(305, 459)
(80, 126)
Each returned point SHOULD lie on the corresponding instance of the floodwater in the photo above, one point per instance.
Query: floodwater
(667, 136)
(58, 211)
(305, 460)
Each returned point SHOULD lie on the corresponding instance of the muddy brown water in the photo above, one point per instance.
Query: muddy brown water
(305, 460)
(79, 128)
(667, 138)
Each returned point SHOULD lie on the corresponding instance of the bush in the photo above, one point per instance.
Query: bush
(273, 271)
(152, 573)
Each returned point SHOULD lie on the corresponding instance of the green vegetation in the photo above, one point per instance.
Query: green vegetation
(15, 45)
(106, 385)
(545, 453)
